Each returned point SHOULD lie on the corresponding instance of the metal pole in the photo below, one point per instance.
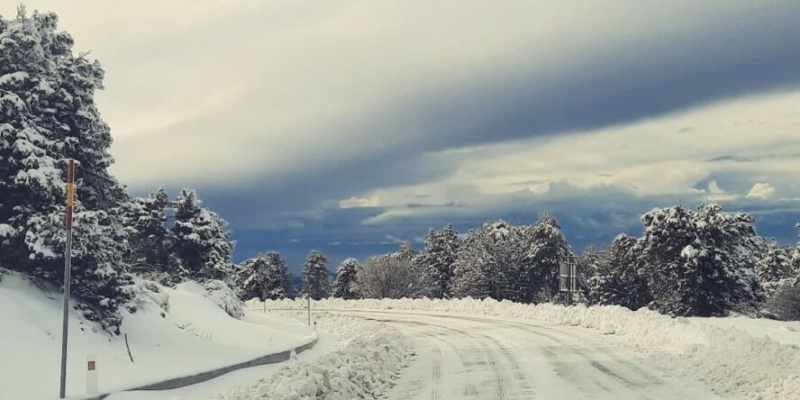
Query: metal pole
(309, 310)
(67, 275)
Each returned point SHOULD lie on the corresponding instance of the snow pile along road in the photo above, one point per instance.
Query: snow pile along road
(731, 361)
(364, 369)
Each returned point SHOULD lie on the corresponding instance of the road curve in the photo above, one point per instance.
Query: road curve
(465, 357)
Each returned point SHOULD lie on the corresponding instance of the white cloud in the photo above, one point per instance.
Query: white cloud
(357, 202)
(761, 190)
(717, 195)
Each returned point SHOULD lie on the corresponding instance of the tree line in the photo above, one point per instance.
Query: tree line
(701, 262)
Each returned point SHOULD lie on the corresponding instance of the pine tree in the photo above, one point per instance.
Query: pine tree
(437, 260)
(545, 250)
(774, 264)
(47, 114)
(265, 277)
(700, 263)
(145, 221)
(796, 258)
(345, 285)
(201, 243)
(616, 278)
(316, 279)
(480, 270)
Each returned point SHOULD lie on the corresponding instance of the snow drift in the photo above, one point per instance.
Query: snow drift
(364, 369)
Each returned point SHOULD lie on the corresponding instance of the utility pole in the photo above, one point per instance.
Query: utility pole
(67, 274)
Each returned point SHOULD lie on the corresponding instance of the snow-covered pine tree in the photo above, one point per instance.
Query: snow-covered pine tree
(345, 286)
(47, 114)
(264, 277)
(480, 270)
(700, 263)
(436, 261)
(796, 257)
(597, 262)
(145, 221)
(545, 250)
(201, 241)
(316, 279)
(615, 277)
(774, 264)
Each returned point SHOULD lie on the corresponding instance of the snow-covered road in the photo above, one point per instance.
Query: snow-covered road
(475, 357)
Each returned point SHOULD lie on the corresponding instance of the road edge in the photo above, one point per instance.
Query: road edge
(184, 381)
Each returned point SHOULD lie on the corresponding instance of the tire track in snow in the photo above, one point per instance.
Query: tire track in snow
(519, 375)
(469, 389)
(436, 373)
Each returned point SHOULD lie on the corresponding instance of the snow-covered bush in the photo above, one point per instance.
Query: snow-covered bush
(147, 294)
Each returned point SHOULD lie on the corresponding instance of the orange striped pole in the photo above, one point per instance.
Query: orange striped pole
(67, 273)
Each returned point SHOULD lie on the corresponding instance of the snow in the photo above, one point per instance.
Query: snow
(174, 333)
(731, 361)
(365, 368)
(785, 332)
(352, 356)
(13, 77)
(7, 231)
(219, 293)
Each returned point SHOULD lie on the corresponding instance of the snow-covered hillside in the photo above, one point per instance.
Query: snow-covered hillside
(176, 332)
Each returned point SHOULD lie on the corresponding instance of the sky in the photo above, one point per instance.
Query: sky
(351, 127)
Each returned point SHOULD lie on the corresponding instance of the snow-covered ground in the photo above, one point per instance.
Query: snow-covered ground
(354, 359)
(726, 362)
(780, 331)
(178, 332)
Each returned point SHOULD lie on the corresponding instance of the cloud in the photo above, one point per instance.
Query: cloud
(646, 160)
(355, 202)
(717, 195)
(761, 190)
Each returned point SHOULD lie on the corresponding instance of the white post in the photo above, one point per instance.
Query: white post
(91, 375)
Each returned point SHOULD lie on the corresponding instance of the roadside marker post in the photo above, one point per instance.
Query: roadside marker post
(92, 378)
(67, 274)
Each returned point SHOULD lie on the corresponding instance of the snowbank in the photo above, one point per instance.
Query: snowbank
(364, 369)
(785, 332)
(218, 292)
(174, 333)
(727, 359)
